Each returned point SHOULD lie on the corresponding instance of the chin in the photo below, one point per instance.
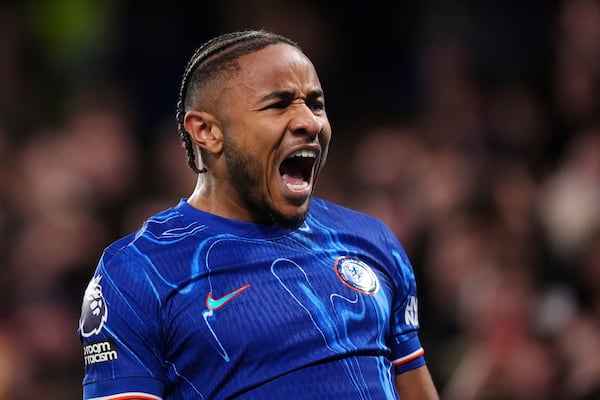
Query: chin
(289, 220)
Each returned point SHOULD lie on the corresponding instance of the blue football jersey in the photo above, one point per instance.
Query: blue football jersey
(196, 306)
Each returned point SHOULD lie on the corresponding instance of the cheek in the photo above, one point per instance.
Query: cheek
(323, 158)
(324, 140)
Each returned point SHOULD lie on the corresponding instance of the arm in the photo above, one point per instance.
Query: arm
(412, 380)
(120, 332)
(416, 385)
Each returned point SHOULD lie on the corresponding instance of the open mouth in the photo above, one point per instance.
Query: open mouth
(297, 170)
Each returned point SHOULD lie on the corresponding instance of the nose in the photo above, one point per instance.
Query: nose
(306, 122)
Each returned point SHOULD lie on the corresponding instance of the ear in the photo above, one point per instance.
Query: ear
(204, 129)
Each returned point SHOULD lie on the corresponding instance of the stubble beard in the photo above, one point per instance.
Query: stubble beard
(245, 175)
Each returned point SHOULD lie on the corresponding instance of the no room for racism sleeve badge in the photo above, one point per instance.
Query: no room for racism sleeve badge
(94, 312)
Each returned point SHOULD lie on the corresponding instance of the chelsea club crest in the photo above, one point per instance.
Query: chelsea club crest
(356, 274)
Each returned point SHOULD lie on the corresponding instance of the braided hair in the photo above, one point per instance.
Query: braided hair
(218, 55)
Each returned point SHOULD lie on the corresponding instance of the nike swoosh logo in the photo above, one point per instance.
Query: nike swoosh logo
(215, 304)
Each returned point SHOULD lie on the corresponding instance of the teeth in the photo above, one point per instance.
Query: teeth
(304, 153)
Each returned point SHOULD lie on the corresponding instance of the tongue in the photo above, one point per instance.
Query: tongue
(291, 175)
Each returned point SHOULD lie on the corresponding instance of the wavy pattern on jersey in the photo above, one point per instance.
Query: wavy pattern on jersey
(166, 237)
(186, 380)
(138, 318)
(201, 264)
(170, 236)
(341, 307)
(302, 291)
(294, 275)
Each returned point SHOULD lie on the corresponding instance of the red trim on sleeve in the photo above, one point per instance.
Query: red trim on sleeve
(408, 358)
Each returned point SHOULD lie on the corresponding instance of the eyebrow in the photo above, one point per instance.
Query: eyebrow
(289, 95)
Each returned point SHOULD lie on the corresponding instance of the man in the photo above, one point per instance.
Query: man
(248, 289)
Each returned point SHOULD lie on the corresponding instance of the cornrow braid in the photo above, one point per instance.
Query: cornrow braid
(208, 60)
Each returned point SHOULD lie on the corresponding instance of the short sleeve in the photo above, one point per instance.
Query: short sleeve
(407, 352)
(119, 329)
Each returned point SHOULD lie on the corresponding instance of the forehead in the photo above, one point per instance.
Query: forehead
(278, 66)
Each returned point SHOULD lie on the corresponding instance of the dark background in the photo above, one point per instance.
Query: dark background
(470, 127)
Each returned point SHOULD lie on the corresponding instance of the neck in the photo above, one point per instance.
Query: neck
(210, 197)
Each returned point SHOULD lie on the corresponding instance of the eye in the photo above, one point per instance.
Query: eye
(280, 105)
(317, 105)
(316, 101)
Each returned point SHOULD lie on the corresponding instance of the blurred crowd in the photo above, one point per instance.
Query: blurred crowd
(472, 129)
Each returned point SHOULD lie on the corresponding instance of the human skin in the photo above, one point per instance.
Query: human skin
(272, 108)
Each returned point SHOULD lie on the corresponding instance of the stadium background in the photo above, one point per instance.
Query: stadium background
(471, 127)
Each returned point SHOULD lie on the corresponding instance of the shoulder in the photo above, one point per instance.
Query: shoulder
(165, 232)
(357, 227)
(342, 216)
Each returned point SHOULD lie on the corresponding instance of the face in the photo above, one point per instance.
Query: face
(275, 134)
